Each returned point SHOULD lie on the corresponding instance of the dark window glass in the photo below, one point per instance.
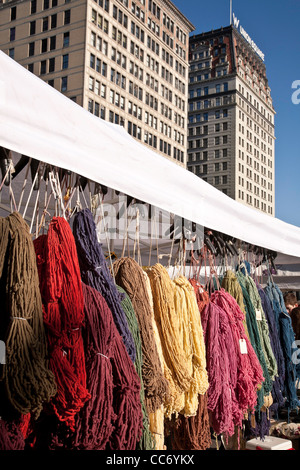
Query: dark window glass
(32, 27)
(13, 13)
(33, 6)
(31, 49)
(54, 20)
(12, 34)
(44, 44)
(64, 83)
(65, 63)
(52, 43)
(52, 64)
(46, 4)
(45, 23)
(66, 39)
(43, 67)
(67, 17)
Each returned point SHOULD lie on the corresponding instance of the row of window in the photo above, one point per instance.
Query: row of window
(205, 91)
(205, 116)
(199, 130)
(205, 104)
(33, 7)
(206, 76)
(47, 23)
(203, 155)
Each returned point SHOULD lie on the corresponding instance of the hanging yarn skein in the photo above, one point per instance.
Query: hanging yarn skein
(287, 337)
(278, 385)
(156, 419)
(193, 342)
(232, 286)
(168, 327)
(11, 437)
(255, 339)
(95, 273)
(63, 303)
(193, 432)
(112, 418)
(146, 442)
(94, 423)
(262, 327)
(250, 374)
(28, 381)
(130, 276)
(221, 368)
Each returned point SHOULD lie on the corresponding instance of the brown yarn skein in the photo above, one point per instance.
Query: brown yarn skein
(28, 381)
(130, 276)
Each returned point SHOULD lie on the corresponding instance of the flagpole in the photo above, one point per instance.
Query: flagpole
(230, 11)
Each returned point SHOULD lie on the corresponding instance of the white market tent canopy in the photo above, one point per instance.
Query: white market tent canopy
(38, 121)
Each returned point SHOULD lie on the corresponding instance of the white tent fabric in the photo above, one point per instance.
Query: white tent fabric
(40, 122)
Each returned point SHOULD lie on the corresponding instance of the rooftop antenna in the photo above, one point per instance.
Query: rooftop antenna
(230, 12)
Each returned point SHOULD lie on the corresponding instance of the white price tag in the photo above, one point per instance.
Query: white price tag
(243, 346)
(258, 315)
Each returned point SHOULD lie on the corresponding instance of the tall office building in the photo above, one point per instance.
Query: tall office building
(231, 135)
(124, 61)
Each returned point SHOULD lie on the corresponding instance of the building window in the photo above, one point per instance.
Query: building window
(66, 39)
(45, 23)
(91, 83)
(13, 13)
(92, 61)
(32, 28)
(44, 45)
(12, 34)
(33, 7)
(46, 4)
(52, 43)
(102, 112)
(31, 49)
(52, 64)
(64, 83)
(43, 67)
(11, 53)
(54, 3)
(97, 109)
(67, 18)
(65, 61)
(30, 68)
(53, 21)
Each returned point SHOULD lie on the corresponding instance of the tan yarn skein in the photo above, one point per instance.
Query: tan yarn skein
(167, 321)
(156, 419)
(193, 343)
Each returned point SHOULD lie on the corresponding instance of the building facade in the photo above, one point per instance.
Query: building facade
(231, 137)
(124, 61)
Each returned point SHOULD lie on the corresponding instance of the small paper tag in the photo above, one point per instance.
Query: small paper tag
(258, 315)
(243, 346)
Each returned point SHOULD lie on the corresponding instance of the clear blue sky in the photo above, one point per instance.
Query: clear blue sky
(274, 25)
